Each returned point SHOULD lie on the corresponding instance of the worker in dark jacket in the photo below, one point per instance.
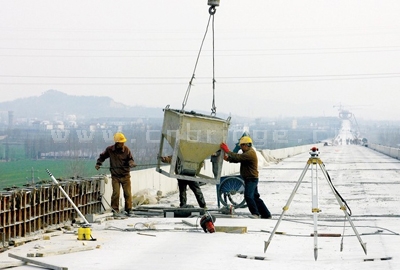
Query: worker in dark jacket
(121, 160)
(249, 172)
(182, 185)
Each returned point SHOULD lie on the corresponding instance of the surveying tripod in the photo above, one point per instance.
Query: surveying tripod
(314, 161)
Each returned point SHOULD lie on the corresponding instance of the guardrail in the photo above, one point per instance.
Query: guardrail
(386, 150)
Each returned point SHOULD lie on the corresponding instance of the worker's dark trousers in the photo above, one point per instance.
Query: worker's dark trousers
(195, 187)
(125, 182)
(254, 203)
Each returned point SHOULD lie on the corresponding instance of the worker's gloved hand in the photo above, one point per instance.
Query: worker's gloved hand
(226, 157)
(132, 164)
(97, 167)
(166, 159)
(224, 147)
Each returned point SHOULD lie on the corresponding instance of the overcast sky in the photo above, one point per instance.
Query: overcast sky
(272, 58)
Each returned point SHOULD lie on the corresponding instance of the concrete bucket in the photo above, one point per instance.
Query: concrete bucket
(193, 138)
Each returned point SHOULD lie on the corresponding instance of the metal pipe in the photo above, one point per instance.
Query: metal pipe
(69, 199)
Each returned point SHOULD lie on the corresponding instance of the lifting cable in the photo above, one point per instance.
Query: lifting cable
(211, 11)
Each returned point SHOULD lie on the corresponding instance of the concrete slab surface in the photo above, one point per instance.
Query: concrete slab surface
(368, 181)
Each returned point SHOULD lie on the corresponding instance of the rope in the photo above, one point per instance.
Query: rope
(211, 11)
(213, 108)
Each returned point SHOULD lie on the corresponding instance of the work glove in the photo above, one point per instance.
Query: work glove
(97, 167)
(224, 147)
(166, 159)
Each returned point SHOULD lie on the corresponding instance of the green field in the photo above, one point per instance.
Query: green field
(19, 173)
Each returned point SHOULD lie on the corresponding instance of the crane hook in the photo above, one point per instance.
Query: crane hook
(212, 4)
(212, 10)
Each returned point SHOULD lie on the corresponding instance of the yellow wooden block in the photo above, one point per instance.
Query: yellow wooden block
(231, 229)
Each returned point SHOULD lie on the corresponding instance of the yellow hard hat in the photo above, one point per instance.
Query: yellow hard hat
(245, 139)
(119, 137)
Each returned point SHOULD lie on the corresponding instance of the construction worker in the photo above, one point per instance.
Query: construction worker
(182, 185)
(121, 160)
(249, 172)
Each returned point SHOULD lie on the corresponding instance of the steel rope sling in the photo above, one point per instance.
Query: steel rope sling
(211, 11)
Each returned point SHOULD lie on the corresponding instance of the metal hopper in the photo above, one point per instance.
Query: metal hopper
(193, 137)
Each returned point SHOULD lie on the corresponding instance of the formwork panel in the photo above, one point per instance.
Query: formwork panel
(26, 211)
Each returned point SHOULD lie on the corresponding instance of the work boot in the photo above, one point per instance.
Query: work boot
(121, 214)
(115, 212)
(267, 217)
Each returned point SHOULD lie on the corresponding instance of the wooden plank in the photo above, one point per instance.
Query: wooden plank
(19, 241)
(231, 229)
(4, 265)
(60, 251)
(46, 265)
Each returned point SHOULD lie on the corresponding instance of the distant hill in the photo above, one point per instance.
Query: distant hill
(53, 102)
